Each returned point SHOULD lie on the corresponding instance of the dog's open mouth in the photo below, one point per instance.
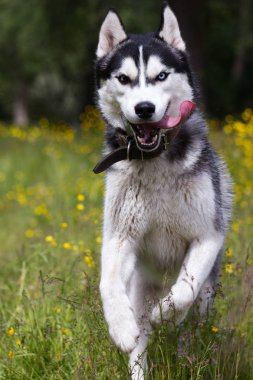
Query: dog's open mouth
(148, 136)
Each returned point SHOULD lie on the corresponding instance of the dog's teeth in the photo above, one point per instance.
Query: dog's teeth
(147, 144)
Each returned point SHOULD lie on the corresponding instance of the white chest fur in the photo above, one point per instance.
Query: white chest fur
(160, 208)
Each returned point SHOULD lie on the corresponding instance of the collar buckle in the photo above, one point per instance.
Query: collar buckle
(165, 141)
(128, 149)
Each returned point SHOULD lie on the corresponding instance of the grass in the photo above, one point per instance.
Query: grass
(51, 320)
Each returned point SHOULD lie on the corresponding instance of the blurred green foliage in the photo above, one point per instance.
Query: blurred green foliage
(47, 51)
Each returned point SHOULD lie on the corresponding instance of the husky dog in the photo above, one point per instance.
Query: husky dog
(168, 196)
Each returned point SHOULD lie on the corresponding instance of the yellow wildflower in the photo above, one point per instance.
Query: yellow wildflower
(18, 342)
(98, 240)
(246, 115)
(65, 331)
(49, 239)
(228, 129)
(229, 252)
(67, 245)
(87, 251)
(64, 225)
(11, 354)
(42, 210)
(229, 268)
(215, 329)
(89, 261)
(11, 331)
(29, 233)
(80, 197)
(21, 199)
(57, 309)
(80, 207)
(235, 227)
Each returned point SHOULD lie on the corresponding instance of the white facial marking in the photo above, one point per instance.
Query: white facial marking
(180, 90)
(155, 66)
(129, 68)
(142, 68)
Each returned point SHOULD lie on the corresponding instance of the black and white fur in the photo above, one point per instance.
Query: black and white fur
(165, 219)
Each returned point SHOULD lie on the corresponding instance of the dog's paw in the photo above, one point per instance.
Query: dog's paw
(137, 373)
(174, 307)
(163, 311)
(125, 333)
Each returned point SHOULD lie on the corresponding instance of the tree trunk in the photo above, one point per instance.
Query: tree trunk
(189, 15)
(244, 27)
(20, 105)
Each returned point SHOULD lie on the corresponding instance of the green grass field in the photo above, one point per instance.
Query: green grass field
(51, 321)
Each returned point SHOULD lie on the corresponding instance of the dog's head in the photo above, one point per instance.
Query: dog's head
(142, 78)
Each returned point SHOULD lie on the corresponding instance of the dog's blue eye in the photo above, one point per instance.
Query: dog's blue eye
(123, 79)
(162, 76)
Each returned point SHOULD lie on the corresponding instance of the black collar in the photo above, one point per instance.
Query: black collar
(128, 150)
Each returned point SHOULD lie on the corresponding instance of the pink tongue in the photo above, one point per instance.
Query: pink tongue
(186, 108)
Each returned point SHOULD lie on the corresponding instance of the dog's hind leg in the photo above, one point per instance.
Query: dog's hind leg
(138, 293)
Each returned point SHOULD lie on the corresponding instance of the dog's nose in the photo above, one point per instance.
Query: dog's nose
(144, 110)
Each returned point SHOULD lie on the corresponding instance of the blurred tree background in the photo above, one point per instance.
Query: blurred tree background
(47, 52)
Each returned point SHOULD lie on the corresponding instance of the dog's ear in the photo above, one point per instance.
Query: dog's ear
(169, 29)
(111, 34)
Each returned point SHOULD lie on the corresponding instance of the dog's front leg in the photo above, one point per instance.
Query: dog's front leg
(196, 268)
(140, 294)
(118, 262)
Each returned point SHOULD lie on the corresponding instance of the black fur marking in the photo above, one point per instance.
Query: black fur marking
(207, 162)
(108, 64)
(179, 147)
(169, 56)
(214, 275)
(111, 137)
(215, 175)
(193, 129)
(152, 45)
